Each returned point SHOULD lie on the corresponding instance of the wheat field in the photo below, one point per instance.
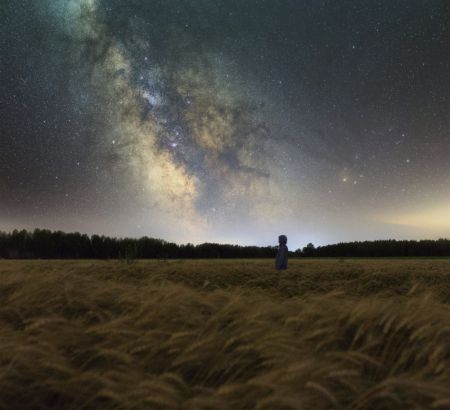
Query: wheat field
(225, 334)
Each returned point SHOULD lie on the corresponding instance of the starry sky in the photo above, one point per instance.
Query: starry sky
(226, 120)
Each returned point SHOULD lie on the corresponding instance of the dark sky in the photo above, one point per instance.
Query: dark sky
(231, 121)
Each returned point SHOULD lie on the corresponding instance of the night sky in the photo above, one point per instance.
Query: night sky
(226, 120)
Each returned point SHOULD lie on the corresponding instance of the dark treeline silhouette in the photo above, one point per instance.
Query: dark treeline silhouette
(42, 243)
(380, 248)
(46, 244)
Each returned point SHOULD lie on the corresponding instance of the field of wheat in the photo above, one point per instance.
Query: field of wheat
(225, 334)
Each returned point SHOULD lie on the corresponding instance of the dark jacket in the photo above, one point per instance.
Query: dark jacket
(282, 254)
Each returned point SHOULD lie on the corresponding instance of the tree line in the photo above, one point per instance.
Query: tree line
(379, 248)
(46, 244)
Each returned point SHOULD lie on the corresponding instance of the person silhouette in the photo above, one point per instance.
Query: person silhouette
(282, 254)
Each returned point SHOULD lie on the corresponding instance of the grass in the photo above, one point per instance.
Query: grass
(218, 334)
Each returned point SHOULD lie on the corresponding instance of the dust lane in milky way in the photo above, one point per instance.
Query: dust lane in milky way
(226, 120)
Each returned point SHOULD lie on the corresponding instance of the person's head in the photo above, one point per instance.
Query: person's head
(282, 239)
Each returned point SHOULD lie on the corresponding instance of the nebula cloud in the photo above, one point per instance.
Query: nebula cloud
(193, 146)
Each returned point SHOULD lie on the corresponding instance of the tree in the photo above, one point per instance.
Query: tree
(309, 250)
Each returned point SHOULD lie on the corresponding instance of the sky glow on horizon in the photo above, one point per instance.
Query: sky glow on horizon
(227, 121)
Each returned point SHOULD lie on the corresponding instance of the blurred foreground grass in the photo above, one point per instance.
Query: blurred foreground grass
(225, 334)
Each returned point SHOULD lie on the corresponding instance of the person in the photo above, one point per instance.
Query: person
(282, 254)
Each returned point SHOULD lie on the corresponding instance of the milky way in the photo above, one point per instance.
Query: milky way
(230, 121)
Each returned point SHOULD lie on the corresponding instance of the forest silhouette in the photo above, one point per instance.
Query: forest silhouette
(46, 244)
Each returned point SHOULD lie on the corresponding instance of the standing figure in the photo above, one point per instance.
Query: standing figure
(282, 254)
